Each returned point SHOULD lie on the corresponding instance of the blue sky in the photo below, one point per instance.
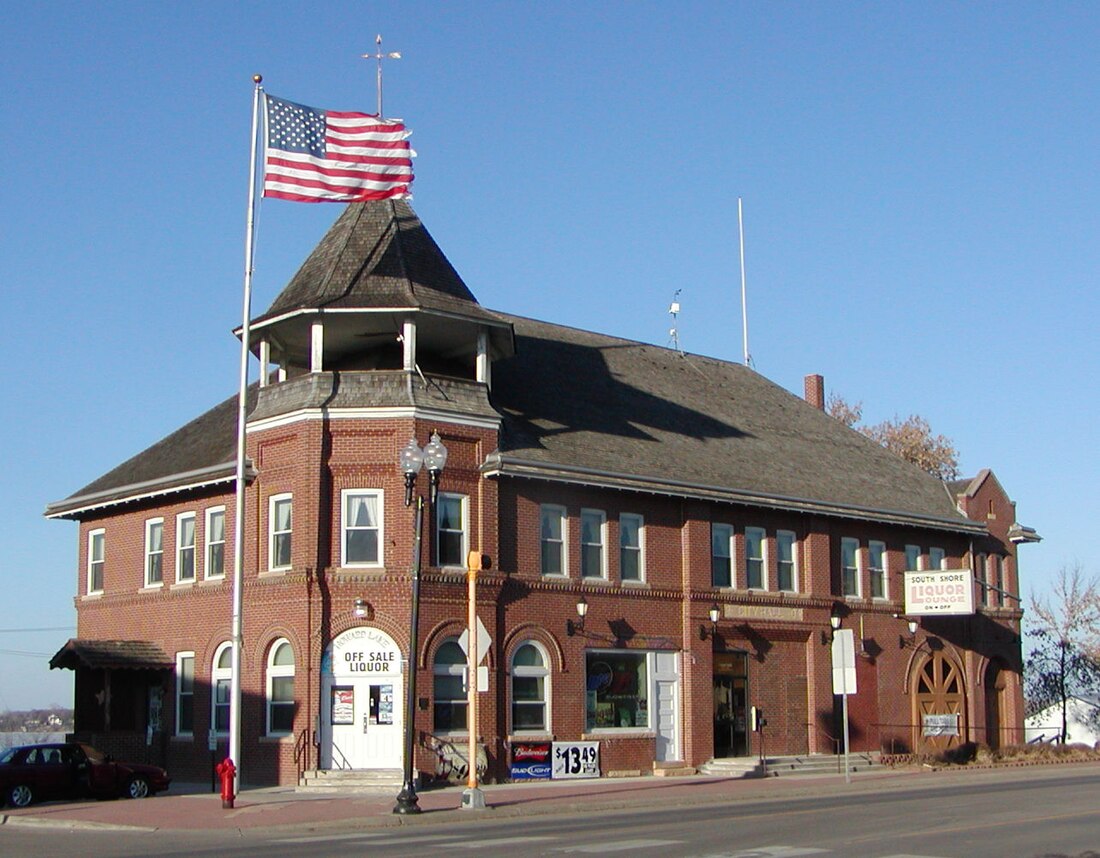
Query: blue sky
(920, 190)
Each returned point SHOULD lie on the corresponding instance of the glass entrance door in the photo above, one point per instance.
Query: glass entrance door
(731, 737)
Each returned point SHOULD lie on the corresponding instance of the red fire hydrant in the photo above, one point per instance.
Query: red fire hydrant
(228, 773)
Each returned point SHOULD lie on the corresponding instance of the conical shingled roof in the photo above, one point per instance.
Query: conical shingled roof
(378, 255)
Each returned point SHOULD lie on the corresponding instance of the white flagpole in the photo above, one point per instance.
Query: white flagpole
(744, 300)
(238, 524)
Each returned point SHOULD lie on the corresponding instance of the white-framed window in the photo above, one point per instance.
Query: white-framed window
(876, 565)
(631, 547)
(530, 689)
(97, 553)
(154, 552)
(786, 561)
(618, 689)
(280, 517)
(721, 555)
(221, 678)
(756, 567)
(362, 525)
(937, 559)
(981, 573)
(849, 566)
(552, 540)
(185, 547)
(593, 543)
(998, 596)
(452, 531)
(449, 689)
(185, 693)
(912, 558)
(215, 543)
(280, 689)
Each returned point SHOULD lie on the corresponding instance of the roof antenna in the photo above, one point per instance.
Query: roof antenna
(744, 298)
(674, 311)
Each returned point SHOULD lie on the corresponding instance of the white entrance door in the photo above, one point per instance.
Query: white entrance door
(667, 682)
(361, 709)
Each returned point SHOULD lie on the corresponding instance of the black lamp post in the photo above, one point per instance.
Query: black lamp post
(412, 458)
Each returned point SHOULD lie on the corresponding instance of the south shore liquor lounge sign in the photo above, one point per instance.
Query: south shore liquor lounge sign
(939, 592)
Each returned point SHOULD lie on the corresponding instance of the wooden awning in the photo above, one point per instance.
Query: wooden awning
(111, 655)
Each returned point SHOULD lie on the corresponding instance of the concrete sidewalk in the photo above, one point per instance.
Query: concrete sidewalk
(194, 807)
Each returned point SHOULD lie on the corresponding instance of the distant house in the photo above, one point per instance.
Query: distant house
(1082, 722)
(673, 539)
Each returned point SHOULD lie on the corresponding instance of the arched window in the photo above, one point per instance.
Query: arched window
(449, 688)
(221, 675)
(530, 689)
(280, 688)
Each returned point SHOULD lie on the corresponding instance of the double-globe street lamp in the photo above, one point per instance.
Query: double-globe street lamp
(412, 459)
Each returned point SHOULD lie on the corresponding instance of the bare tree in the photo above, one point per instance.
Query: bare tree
(1065, 661)
(912, 438)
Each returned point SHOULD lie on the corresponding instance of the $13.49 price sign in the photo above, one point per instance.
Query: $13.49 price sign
(576, 760)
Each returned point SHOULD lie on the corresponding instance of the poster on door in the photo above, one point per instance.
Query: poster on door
(343, 704)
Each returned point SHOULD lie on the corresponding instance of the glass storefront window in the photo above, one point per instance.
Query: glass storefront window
(617, 693)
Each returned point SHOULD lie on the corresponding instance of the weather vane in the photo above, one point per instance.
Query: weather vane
(379, 56)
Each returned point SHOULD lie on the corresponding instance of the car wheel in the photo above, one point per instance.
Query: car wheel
(20, 795)
(138, 788)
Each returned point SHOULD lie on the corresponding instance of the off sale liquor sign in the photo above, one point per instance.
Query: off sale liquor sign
(938, 592)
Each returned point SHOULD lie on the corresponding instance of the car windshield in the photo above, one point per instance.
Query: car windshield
(93, 755)
(6, 757)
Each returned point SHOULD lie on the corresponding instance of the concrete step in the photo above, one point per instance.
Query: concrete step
(819, 764)
(672, 769)
(352, 780)
(732, 767)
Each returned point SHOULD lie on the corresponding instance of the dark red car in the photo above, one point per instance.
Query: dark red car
(72, 770)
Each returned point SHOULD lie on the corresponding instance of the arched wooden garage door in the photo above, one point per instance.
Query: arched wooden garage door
(938, 694)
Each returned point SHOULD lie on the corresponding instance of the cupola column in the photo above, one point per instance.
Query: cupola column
(265, 361)
(408, 341)
(317, 347)
(484, 368)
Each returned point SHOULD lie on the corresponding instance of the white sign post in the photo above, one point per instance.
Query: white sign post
(844, 679)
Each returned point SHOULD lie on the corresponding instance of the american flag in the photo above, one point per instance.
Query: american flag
(315, 156)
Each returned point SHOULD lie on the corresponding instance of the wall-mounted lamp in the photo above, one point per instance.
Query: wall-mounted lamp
(571, 628)
(834, 625)
(912, 626)
(714, 613)
(362, 608)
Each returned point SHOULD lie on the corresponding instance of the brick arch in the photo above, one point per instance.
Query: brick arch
(267, 639)
(397, 630)
(533, 632)
(221, 635)
(435, 637)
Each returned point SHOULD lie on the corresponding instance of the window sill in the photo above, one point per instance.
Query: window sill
(632, 583)
(598, 580)
(529, 737)
(183, 585)
(151, 588)
(275, 573)
(277, 739)
(220, 579)
(618, 733)
(97, 594)
(182, 737)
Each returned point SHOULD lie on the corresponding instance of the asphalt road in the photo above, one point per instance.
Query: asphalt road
(1014, 813)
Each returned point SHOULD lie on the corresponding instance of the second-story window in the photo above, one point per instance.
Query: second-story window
(593, 554)
(755, 569)
(451, 530)
(849, 566)
(215, 542)
(721, 554)
(362, 527)
(97, 546)
(552, 540)
(998, 596)
(912, 558)
(876, 562)
(980, 572)
(185, 546)
(786, 569)
(631, 528)
(937, 559)
(281, 524)
(154, 552)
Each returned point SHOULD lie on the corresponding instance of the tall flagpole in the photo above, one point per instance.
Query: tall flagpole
(744, 299)
(238, 524)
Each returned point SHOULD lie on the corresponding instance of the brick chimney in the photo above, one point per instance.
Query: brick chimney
(815, 391)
